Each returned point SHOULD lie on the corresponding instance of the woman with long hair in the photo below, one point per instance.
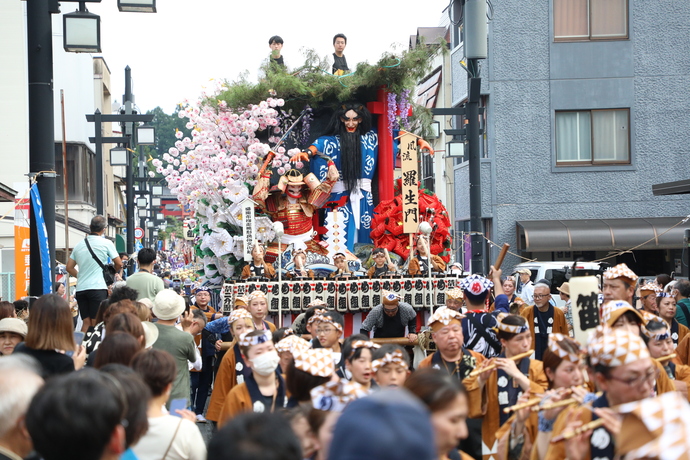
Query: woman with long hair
(50, 339)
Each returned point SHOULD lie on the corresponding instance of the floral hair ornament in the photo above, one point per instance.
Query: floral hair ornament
(475, 284)
(389, 358)
(615, 347)
(335, 396)
(554, 345)
(258, 294)
(657, 427)
(510, 328)
(317, 313)
(614, 309)
(363, 344)
(238, 313)
(246, 341)
(315, 361)
(293, 344)
(327, 320)
(445, 316)
(620, 271)
(454, 293)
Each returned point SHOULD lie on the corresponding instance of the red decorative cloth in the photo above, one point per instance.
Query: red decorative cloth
(387, 224)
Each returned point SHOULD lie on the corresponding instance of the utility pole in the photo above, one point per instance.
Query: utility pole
(127, 130)
(476, 48)
(41, 131)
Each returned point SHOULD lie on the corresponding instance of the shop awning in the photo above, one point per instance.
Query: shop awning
(600, 234)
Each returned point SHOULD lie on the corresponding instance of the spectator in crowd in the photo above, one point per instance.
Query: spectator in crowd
(168, 306)
(86, 411)
(12, 332)
(50, 338)
(525, 288)
(21, 307)
(144, 281)
(201, 379)
(137, 395)
(93, 339)
(91, 286)
(388, 425)
(7, 310)
(682, 294)
(564, 294)
(170, 436)
(328, 327)
(255, 435)
(117, 348)
(447, 400)
(19, 381)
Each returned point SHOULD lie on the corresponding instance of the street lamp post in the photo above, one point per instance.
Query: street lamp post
(39, 39)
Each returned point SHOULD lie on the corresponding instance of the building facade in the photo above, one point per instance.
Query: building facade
(586, 109)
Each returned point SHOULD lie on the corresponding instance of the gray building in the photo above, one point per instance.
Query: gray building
(586, 108)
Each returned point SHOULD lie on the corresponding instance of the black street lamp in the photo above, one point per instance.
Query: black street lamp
(137, 6)
(39, 39)
(81, 31)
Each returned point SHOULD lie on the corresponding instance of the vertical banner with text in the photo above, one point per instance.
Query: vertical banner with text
(22, 240)
(410, 182)
(248, 230)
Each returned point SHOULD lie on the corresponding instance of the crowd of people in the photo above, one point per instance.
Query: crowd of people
(504, 379)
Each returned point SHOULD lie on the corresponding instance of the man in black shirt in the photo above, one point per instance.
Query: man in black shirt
(276, 44)
(339, 61)
(390, 318)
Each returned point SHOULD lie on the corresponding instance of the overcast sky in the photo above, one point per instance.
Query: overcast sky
(178, 50)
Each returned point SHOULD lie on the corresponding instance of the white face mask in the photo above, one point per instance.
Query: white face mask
(266, 363)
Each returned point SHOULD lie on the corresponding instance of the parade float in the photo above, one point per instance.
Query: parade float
(297, 161)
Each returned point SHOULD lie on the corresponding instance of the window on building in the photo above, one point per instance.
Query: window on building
(428, 172)
(81, 174)
(590, 19)
(593, 137)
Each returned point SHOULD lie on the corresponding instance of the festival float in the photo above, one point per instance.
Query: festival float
(305, 162)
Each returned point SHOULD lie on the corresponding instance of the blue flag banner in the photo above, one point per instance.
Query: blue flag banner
(43, 245)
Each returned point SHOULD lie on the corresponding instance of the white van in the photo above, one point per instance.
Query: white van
(557, 273)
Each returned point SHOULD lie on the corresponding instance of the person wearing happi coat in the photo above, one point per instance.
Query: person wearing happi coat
(232, 369)
(457, 361)
(502, 386)
(625, 372)
(543, 319)
(264, 388)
